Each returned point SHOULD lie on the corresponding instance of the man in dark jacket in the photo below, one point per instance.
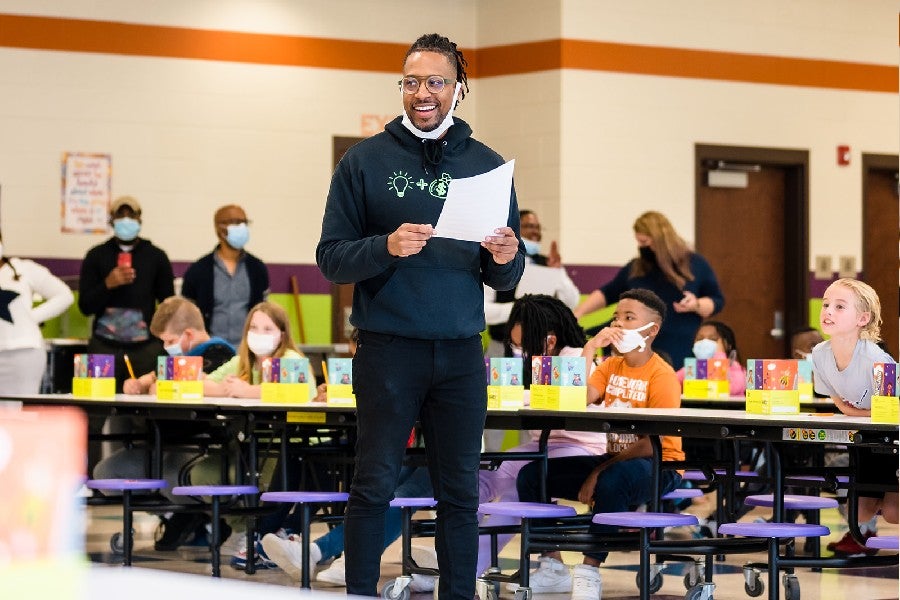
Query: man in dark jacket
(226, 283)
(418, 303)
(121, 281)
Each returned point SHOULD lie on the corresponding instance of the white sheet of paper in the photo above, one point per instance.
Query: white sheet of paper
(476, 206)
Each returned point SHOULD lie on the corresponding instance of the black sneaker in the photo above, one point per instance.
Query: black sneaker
(178, 530)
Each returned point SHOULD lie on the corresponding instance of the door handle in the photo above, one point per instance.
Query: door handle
(777, 331)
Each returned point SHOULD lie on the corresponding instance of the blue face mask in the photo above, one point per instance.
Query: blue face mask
(531, 247)
(126, 228)
(175, 349)
(705, 348)
(237, 236)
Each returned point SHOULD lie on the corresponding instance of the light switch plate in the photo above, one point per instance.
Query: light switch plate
(847, 266)
(823, 267)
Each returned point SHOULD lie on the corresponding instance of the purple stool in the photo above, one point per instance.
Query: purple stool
(694, 475)
(526, 511)
(304, 499)
(399, 587)
(773, 531)
(126, 486)
(792, 501)
(216, 492)
(683, 494)
(645, 521)
(883, 542)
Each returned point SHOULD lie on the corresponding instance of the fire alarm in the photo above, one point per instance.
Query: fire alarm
(843, 155)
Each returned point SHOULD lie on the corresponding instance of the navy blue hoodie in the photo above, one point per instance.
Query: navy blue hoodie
(393, 178)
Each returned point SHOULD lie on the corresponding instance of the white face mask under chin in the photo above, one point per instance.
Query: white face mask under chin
(440, 129)
(632, 338)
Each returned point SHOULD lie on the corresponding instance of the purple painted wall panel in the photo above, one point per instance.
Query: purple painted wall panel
(310, 280)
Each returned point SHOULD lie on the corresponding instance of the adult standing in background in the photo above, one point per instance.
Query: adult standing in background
(418, 305)
(121, 281)
(679, 276)
(228, 281)
(540, 280)
(22, 353)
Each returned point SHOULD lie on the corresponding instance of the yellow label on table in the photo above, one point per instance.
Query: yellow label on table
(340, 394)
(885, 409)
(806, 392)
(754, 402)
(773, 402)
(169, 390)
(511, 397)
(559, 397)
(306, 417)
(285, 393)
(705, 388)
(94, 388)
(781, 402)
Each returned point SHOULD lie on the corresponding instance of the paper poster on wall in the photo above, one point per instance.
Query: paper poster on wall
(86, 187)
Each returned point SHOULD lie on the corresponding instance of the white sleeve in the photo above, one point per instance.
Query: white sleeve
(568, 292)
(57, 295)
(495, 313)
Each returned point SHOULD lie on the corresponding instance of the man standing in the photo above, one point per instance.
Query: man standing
(418, 305)
(121, 281)
(228, 281)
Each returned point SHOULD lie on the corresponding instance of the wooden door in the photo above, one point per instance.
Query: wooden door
(756, 240)
(341, 295)
(881, 226)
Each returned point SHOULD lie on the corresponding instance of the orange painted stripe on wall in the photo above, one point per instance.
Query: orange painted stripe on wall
(676, 62)
(76, 35)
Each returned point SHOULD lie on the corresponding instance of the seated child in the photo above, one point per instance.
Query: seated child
(539, 325)
(620, 479)
(179, 324)
(267, 333)
(715, 339)
(842, 370)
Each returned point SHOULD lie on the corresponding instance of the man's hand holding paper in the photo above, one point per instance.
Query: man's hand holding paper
(409, 239)
(476, 209)
(503, 246)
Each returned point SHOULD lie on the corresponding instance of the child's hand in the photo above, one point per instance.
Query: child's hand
(605, 337)
(132, 386)
(321, 393)
(586, 493)
(236, 387)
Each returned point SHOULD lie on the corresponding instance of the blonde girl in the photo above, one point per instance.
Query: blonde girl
(267, 333)
(842, 367)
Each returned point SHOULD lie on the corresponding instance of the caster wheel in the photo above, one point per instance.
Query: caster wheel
(757, 589)
(690, 580)
(117, 543)
(695, 593)
(656, 582)
(390, 592)
(791, 588)
(522, 594)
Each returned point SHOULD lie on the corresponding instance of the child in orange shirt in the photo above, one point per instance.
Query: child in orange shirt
(620, 479)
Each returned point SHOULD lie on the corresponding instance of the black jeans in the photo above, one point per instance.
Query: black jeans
(620, 487)
(442, 383)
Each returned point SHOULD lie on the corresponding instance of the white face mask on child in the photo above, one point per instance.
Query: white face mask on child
(262, 344)
(632, 338)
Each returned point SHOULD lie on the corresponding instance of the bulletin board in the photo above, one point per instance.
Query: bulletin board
(86, 189)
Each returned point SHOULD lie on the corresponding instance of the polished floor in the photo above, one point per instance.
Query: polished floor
(618, 574)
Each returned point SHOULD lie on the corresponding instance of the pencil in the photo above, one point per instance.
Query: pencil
(128, 364)
(325, 371)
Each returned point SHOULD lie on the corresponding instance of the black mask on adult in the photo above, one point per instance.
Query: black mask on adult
(647, 254)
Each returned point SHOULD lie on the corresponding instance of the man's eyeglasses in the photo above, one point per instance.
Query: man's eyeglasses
(228, 222)
(433, 83)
